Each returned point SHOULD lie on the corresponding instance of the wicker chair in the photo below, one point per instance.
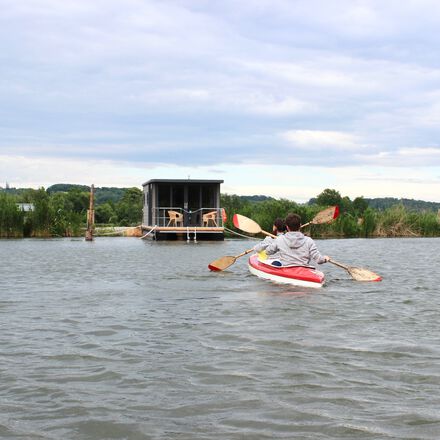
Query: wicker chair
(210, 217)
(176, 218)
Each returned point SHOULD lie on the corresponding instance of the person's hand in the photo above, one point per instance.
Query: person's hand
(327, 258)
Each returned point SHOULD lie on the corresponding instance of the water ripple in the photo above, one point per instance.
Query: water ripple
(127, 339)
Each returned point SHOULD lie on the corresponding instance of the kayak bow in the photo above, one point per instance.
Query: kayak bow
(294, 275)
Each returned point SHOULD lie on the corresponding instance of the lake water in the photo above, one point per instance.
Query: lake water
(130, 339)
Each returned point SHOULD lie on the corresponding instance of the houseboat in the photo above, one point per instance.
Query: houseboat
(183, 209)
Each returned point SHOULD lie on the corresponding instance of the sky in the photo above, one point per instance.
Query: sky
(277, 97)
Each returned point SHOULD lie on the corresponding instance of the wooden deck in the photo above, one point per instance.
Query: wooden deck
(182, 232)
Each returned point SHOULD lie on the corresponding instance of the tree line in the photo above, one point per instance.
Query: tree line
(61, 211)
(58, 213)
(357, 217)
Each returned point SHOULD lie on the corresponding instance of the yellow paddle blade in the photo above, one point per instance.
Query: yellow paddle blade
(360, 274)
(326, 216)
(357, 273)
(246, 224)
(222, 263)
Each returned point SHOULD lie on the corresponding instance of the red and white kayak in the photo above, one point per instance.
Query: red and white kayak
(295, 275)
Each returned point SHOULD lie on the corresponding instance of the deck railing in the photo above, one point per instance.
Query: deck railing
(192, 218)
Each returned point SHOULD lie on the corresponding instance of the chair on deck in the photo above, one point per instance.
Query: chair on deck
(176, 218)
(210, 217)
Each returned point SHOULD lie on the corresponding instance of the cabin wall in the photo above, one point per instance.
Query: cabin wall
(191, 199)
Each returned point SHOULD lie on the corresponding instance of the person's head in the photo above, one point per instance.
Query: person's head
(279, 226)
(293, 222)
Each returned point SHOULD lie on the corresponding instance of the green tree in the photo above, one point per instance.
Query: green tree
(359, 206)
(129, 209)
(79, 200)
(105, 213)
(329, 197)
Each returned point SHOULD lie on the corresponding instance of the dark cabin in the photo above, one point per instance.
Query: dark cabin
(183, 209)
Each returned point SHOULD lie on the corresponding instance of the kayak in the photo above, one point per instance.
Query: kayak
(294, 275)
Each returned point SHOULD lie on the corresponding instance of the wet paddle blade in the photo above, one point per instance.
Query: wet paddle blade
(357, 273)
(326, 216)
(246, 224)
(222, 263)
(360, 274)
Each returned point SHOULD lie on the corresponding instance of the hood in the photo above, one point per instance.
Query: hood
(295, 239)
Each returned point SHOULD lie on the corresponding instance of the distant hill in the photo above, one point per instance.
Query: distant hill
(64, 187)
(102, 195)
(256, 198)
(14, 191)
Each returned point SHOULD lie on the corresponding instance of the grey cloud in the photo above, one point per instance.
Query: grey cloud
(206, 82)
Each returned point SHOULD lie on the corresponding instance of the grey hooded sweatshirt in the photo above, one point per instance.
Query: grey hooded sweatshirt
(292, 249)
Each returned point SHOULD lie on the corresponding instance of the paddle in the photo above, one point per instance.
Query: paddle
(357, 273)
(224, 262)
(325, 216)
(248, 225)
(251, 227)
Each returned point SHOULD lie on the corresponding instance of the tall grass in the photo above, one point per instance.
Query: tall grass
(396, 221)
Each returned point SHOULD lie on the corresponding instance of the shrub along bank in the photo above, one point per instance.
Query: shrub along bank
(63, 213)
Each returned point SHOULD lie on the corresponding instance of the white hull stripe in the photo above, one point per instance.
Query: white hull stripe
(284, 280)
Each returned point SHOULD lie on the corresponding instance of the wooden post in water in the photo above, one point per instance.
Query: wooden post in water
(91, 216)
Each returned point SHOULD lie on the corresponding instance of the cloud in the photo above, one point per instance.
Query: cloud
(198, 84)
(405, 157)
(320, 139)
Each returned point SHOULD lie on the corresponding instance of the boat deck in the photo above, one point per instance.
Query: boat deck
(184, 232)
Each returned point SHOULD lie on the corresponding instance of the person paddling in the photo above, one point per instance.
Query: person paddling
(292, 248)
(278, 228)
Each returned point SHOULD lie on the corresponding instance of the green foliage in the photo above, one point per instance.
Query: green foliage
(61, 211)
(356, 219)
(114, 195)
(359, 206)
(105, 213)
(102, 195)
(413, 205)
(129, 209)
(41, 217)
(368, 222)
(79, 200)
(65, 187)
(11, 218)
(329, 197)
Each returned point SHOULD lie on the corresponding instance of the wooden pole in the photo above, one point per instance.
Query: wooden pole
(91, 216)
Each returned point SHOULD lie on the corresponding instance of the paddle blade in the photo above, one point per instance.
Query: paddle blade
(246, 224)
(360, 274)
(222, 263)
(326, 216)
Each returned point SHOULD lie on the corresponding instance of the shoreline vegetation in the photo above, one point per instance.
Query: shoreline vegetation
(61, 210)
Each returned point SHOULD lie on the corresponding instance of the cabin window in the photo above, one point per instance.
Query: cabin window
(164, 196)
(178, 196)
(209, 196)
(194, 197)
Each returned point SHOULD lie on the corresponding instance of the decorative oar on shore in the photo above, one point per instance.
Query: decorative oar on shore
(357, 273)
(224, 262)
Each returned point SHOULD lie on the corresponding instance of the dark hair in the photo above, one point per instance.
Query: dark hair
(280, 224)
(293, 222)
